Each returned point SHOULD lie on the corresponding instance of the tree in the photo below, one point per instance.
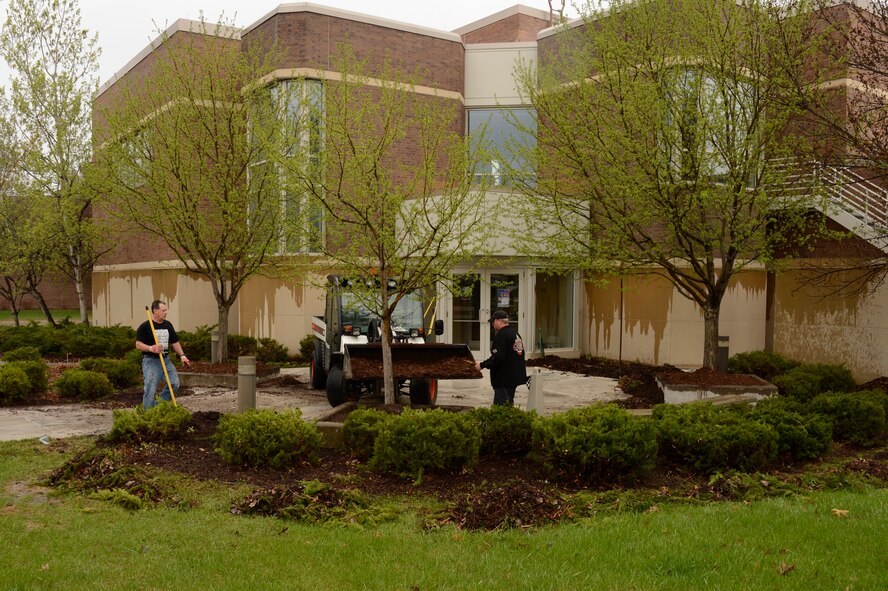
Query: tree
(393, 174)
(183, 156)
(665, 146)
(54, 64)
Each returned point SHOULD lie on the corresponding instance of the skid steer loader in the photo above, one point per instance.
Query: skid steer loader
(347, 355)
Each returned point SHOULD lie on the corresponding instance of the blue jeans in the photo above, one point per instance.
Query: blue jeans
(152, 372)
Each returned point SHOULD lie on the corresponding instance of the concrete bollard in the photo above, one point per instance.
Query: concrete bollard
(724, 345)
(246, 383)
(535, 393)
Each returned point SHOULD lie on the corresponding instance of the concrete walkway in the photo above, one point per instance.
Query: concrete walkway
(561, 391)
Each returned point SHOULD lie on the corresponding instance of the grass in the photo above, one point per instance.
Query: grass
(72, 542)
(26, 316)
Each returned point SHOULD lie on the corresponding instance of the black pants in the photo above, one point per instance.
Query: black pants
(504, 396)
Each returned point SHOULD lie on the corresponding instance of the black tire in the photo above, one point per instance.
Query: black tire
(317, 372)
(336, 390)
(423, 392)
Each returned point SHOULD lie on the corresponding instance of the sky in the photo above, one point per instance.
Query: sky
(126, 27)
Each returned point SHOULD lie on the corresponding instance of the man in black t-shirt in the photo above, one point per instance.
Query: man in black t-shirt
(152, 371)
(507, 362)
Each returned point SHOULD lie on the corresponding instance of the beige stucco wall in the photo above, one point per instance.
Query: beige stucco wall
(265, 307)
(850, 329)
(490, 73)
(655, 324)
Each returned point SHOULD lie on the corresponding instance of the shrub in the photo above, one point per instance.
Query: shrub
(80, 340)
(239, 345)
(810, 379)
(158, 423)
(84, 385)
(764, 364)
(799, 436)
(361, 428)
(40, 337)
(14, 384)
(306, 346)
(858, 417)
(134, 356)
(505, 430)
(271, 351)
(121, 373)
(36, 372)
(23, 354)
(601, 442)
(711, 439)
(417, 442)
(266, 438)
(197, 344)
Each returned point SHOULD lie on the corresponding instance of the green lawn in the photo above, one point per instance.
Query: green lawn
(26, 316)
(72, 542)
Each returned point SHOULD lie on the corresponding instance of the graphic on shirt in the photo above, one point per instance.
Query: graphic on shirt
(518, 346)
(163, 338)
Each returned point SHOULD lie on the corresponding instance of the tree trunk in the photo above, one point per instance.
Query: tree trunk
(223, 332)
(710, 337)
(42, 303)
(81, 294)
(388, 376)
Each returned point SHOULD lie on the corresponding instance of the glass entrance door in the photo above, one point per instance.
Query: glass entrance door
(482, 294)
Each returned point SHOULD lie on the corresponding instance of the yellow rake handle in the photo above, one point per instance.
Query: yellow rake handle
(162, 362)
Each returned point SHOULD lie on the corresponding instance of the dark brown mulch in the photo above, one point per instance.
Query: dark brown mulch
(708, 377)
(635, 379)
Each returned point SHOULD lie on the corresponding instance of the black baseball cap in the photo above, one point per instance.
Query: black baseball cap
(499, 315)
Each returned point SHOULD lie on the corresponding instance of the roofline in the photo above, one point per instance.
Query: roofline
(181, 25)
(498, 16)
(353, 16)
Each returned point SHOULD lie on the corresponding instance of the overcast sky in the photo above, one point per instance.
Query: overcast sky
(126, 27)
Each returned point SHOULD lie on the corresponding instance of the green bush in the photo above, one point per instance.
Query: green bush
(710, 439)
(799, 436)
(14, 384)
(23, 354)
(599, 443)
(40, 337)
(69, 339)
(764, 364)
(84, 385)
(858, 417)
(810, 379)
(360, 429)
(505, 430)
(266, 438)
(134, 356)
(159, 423)
(239, 345)
(306, 347)
(36, 372)
(121, 373)
(197, 344)
(420, 441)
(271, 351)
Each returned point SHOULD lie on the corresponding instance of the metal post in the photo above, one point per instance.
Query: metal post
(535, 393)
(246, 383)
(723, 353)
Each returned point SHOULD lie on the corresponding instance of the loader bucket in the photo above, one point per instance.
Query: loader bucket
(429, 360)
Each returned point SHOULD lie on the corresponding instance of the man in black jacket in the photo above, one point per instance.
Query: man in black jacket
(507, 362)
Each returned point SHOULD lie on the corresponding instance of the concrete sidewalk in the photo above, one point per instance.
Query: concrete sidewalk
(562, 391)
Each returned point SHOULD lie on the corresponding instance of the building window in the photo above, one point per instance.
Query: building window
(300, 103)
(508, 134)
(554, 312)
(707, 123)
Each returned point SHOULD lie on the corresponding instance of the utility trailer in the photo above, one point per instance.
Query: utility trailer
(347, 355)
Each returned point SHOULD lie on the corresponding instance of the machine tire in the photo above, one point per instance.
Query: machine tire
(336, 391)
(317, 372)
(423, 392)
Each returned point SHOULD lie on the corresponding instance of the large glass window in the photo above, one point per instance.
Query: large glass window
(301, 103)
(554, 312)
(509, 134)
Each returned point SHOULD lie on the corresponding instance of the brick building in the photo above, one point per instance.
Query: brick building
(635, 319)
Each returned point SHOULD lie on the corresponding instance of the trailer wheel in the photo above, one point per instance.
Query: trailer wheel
(423, 392)
(318, 374)
(335, 386)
